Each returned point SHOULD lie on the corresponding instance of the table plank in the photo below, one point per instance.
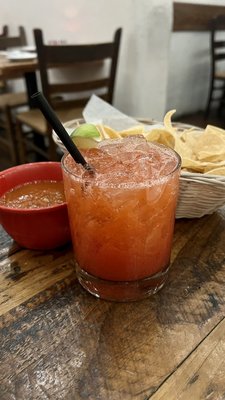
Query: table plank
(202, 375)
(25, 273)
(12, 70)
(22, 278)
(63, 343)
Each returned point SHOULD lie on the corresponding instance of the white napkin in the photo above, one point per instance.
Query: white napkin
(99, 111)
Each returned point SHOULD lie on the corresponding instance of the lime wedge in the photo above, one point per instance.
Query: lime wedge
(85, 130)
(84, 142)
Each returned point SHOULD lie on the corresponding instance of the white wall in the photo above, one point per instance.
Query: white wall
(143, 67)
(189, 72)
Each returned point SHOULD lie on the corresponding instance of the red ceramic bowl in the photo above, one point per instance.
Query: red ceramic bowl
(43, 228)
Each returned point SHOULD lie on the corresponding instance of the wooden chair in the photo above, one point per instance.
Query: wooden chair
(13, 41)
(217, 90)
(5, 31)
(7, 42)
(10, 101)
(67, 98)
(3, 34)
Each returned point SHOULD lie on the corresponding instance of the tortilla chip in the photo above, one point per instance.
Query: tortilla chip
(216, 171)
(167, 121)
(161, 136)
(135, 130)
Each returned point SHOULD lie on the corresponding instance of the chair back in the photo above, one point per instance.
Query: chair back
(13, 41)
(5, 31)
(73, 56)
(217, 25)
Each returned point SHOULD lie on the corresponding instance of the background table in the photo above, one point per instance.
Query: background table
(59, 342)
(26, 69)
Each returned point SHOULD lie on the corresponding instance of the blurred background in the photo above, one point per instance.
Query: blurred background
(159, 69)
(164, 59)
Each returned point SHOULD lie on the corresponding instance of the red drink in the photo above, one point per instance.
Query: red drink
(122, 218)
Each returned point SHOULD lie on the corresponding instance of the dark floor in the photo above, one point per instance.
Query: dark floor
(196, 119)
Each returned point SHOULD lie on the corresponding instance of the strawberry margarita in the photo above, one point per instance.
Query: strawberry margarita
(122, 217)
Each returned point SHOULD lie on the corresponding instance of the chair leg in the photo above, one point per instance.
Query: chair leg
(11, 135)
(52, 149)
(207, 110)
(221, 103)
(3, 86)
(21, 143)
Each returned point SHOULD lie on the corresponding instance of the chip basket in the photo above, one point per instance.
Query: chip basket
(199, 194)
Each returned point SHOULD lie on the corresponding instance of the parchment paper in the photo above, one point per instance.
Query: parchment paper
(99, 111)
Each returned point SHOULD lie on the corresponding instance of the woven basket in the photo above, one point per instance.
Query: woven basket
(199, 194)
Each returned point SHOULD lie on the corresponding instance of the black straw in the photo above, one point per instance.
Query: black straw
(59, 129)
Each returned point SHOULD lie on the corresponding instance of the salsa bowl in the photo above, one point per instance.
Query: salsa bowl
(41, 228)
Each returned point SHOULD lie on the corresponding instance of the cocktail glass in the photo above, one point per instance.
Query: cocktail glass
(122, 225)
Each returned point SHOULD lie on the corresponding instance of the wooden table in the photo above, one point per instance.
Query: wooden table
(59, 342)
(18, 69)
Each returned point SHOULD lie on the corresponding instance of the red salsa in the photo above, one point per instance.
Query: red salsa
(37, 194)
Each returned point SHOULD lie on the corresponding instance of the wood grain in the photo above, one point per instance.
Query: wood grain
(194, 17)
(24, 276)
(201, 376)
(62, 343)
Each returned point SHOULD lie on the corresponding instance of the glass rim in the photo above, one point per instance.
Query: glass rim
(132, 185)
